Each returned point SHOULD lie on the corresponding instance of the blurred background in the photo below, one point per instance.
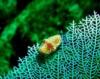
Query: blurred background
(26, 22)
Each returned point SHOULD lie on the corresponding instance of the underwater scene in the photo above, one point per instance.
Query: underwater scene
(49, 39)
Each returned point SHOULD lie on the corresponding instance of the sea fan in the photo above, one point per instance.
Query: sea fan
(78, 57)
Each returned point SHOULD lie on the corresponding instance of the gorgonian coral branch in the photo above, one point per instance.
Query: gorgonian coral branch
(78, 57)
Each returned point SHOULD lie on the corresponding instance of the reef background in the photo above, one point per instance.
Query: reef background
(25, 22)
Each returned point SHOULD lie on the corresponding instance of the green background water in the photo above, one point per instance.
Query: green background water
(25, 22)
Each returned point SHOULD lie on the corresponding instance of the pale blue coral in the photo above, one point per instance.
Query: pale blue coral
(78, 57)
